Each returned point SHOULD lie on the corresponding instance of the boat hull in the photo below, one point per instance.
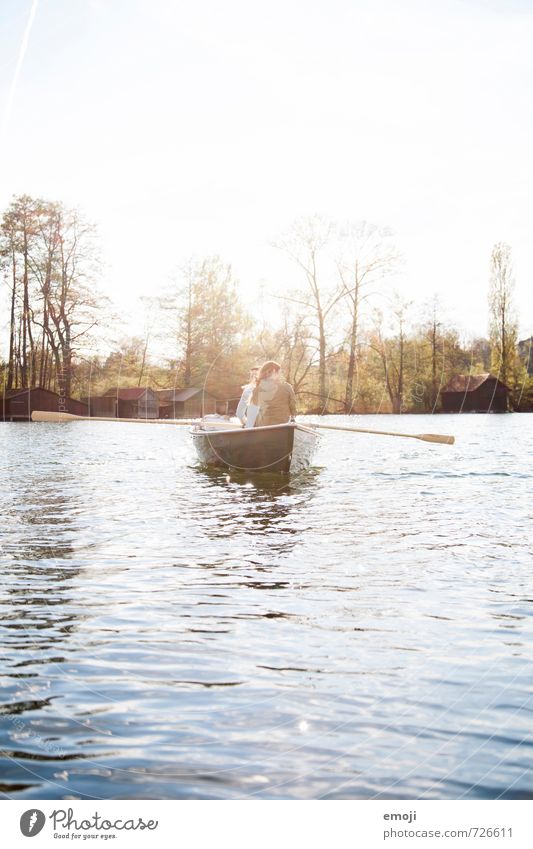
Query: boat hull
(277, 448)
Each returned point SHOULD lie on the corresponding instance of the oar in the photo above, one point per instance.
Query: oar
(46, 416)
(425, 437)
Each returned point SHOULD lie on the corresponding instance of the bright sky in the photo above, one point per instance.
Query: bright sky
(185, 127)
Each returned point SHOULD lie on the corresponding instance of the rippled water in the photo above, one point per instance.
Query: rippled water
(363, 631)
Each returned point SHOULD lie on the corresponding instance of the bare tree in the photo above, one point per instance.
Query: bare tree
(392, 351)
(18, 232)
(305, 243)
(72, 303)
(503, 324)
(433, 339)
(297, 349)
(8, 258)
(366, 255)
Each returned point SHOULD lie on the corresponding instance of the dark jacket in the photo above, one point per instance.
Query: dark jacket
(276, 401)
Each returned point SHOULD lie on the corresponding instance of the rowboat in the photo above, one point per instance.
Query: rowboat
(286, 448)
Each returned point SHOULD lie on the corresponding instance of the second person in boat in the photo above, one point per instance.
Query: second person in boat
(274, 397)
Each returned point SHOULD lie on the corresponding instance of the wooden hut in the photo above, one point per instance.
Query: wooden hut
(128, 402)
(103, 405)
(17, 405)
(186, 403)
(475, 393)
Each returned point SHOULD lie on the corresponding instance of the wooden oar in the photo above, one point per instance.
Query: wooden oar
(425, 437)
(46, 416)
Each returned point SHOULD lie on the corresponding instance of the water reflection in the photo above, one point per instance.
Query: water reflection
(259, 504)
(261, 483)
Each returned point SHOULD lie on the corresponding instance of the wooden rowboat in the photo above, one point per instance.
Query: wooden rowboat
(274, 448)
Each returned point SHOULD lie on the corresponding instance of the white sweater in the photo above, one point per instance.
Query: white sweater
(246, 411)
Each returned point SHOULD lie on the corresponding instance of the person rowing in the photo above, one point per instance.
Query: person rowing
(273, 395)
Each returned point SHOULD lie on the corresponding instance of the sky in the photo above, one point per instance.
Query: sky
(190, 128)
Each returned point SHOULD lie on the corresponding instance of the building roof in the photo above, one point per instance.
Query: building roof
(127, 393)
(470, 382)
(173, 395)
(166, 394)
(10, 393)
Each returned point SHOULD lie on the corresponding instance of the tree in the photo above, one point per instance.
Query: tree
(432, 344)
(17, 239)
(71, 302)
(44, 268)
(503, 323)
(206, 319)
(296, 349)
(435, 342)
(8, 258)
(366, 255)
(305, 243)
(392, 351)
(480, 354)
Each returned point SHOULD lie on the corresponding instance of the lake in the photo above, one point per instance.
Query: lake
(361, 631)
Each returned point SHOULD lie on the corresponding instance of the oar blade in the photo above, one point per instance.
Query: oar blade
(437, 437)
(47, 416)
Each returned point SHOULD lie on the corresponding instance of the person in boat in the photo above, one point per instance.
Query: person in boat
(274, 397)
(246, 411)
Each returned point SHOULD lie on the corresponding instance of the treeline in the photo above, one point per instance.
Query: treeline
(346, 339)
